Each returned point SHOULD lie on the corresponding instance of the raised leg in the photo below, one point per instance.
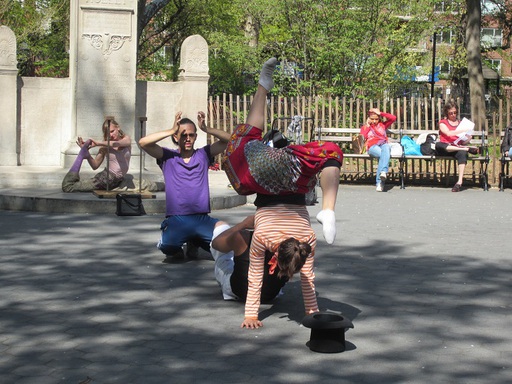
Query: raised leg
(329, 182)
(256, 116)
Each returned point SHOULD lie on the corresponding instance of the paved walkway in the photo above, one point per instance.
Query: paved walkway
(423, 273)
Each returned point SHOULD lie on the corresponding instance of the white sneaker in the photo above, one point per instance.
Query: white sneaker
(379, 187)
(383, 176)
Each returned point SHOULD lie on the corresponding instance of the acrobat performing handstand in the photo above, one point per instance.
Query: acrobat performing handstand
(254, 167)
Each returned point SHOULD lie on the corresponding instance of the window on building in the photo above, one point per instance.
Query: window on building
(490, 7)
(401, 9)
(494, 64)
(164, 55)
(445, 36)
(491, 37)
(445, 6)
(446, 67)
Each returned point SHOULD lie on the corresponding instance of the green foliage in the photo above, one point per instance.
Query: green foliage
(176, 20)
(232, 67)
(331, 47)
(343, 50)
(42, 34)
(158, 67)
(326, 46)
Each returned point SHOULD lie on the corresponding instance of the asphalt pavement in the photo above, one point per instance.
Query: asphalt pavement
(422, 273)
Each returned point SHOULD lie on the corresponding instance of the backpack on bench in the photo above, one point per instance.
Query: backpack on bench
(428, 147)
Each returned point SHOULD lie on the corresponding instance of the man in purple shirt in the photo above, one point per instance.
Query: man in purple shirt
(187, 193)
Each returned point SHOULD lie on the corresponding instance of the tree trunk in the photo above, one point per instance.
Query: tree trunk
(251, 31)
(475, 74)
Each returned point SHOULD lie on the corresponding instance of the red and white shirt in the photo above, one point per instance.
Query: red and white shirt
(273, 225)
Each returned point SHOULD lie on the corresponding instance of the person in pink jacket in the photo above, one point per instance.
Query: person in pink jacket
(375, 133)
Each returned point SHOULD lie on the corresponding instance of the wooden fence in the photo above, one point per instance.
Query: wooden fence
(227, 111)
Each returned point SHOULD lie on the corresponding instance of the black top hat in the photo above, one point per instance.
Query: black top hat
(327, 331)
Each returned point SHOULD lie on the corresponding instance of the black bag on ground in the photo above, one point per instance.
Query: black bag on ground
(129, 205)
(428, 148)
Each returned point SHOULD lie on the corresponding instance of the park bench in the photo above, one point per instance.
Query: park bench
(505, 163)
(413, 166)
(344, 138)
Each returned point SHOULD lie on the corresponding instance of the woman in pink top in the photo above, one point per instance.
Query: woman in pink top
(448, 133)
(119, 153)
(375, 132)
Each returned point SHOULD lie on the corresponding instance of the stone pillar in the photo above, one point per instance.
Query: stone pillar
(194, 75)
(103, 60)
(8, 97)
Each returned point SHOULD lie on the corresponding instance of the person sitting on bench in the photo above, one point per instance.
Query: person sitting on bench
(446, 146)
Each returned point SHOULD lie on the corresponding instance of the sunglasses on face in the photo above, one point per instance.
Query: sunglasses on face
(188, 135)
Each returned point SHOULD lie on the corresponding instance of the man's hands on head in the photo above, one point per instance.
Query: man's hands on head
(176, 125)
(201, 121)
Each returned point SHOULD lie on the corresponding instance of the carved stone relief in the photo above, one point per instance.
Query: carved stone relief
(7, 47)
(107, 30)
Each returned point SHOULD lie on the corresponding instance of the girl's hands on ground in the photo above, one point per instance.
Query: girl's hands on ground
(251, 323)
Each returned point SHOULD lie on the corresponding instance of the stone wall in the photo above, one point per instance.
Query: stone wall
(44, 117)
(39, 123)
(8, 111)
(44, 120)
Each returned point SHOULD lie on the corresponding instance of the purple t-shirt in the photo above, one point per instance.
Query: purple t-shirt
(186, 184)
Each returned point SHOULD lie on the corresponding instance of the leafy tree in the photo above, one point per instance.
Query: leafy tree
(501, 12)
(346, 48)
(466, 57)
(235, 47)
(42, 33)
(326, 46)
(160, 23)
(164, 24)
(476, 78)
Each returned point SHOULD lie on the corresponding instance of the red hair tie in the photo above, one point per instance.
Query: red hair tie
(273, 264)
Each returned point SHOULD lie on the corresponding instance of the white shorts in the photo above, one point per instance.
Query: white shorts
(224, 265)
